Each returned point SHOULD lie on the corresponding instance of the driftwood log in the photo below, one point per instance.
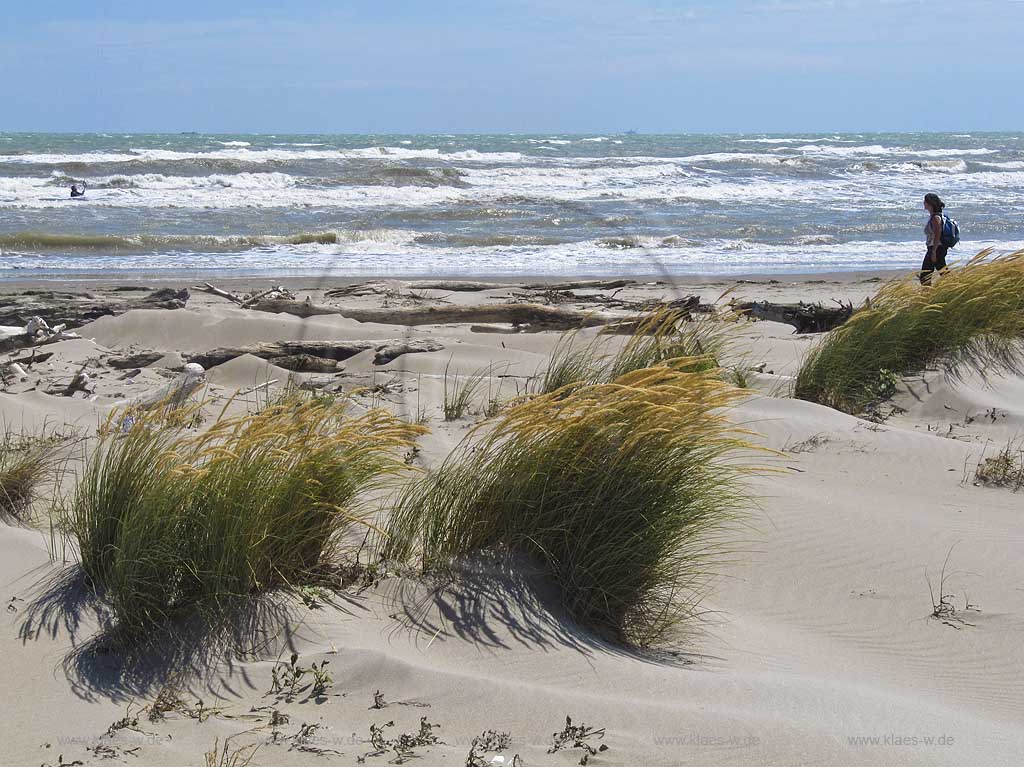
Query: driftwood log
(175, 393)
(334, 351)
(131, 361)
(72, 310)
(470, 286)
(315, 356)
(806, 318)
(535, 316)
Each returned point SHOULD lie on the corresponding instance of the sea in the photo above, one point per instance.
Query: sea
(501, 205)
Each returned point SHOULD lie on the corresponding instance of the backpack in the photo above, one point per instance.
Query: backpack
(950, 232)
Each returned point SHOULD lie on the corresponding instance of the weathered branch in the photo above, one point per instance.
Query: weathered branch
(806, 318)
(316, 356)
(322, 350)
(533, 315)
(72, 310)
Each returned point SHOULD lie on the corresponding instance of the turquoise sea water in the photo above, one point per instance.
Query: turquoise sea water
(499, 205)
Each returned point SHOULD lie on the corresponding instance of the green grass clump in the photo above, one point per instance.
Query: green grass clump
(617, 490)
(460, 391)
(661, 335)
(167, 519)
(972, 319)
(25, 464)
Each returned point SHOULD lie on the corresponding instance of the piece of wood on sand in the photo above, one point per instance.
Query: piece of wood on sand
(522, 315)
(175, 393)
(316, 356)
(72, 310)
(806, 318)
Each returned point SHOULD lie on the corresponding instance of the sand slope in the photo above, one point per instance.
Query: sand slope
(816, 648)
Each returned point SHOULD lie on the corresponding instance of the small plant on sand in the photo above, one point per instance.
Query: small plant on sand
(25, 464)
(943, 606)
(661, 335)
(167, 520)
(1004, 469)
(617, 490)
(578, 736)
(227, 756)
(972, 320)
(489, 741)
(460, 391)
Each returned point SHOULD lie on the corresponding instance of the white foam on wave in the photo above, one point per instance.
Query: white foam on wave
(244, 154)
(1004, 165)
(792, 140)
(877, 150)
(387, 255)
(234, 143)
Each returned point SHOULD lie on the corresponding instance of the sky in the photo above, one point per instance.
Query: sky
(499, 66)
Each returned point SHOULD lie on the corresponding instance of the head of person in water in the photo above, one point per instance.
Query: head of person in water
(933, 204)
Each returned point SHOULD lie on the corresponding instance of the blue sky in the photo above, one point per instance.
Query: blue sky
(315, 66)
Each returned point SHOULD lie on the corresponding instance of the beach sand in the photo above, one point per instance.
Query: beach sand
(815, 646)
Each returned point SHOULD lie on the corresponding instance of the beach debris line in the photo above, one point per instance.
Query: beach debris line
(74, 309)
(247, 300)
(373, 287)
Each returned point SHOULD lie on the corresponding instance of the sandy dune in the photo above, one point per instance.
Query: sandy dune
(816, 648)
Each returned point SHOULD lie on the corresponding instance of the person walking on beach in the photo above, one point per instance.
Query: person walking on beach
(935, 256)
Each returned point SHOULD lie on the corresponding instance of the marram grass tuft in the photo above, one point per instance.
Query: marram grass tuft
(26, 462)
(971, 319)
(661, 335)
(167, 519)
(618, 490)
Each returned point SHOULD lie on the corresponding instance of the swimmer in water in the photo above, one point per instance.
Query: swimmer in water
(78, 190)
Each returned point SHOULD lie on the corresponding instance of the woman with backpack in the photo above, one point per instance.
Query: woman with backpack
(935, 257)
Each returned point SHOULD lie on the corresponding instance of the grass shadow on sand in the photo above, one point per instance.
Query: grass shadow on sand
(499, 604)
(202, 652)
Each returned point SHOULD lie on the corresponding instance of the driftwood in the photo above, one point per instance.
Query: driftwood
(247, 300)
(329, 350)
(175, 393)
(140, 360)
(315, 356)
(37, 333)
(806, 318)
(305, 363)
(582, 285)
(470, 286)
(535, 316)
(72, 310)
(394, 349)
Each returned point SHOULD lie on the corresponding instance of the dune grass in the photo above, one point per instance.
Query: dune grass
(166, 519)
(460, 391)
(972, 319)
(25, 463)
(661, 335)
(618, 490)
